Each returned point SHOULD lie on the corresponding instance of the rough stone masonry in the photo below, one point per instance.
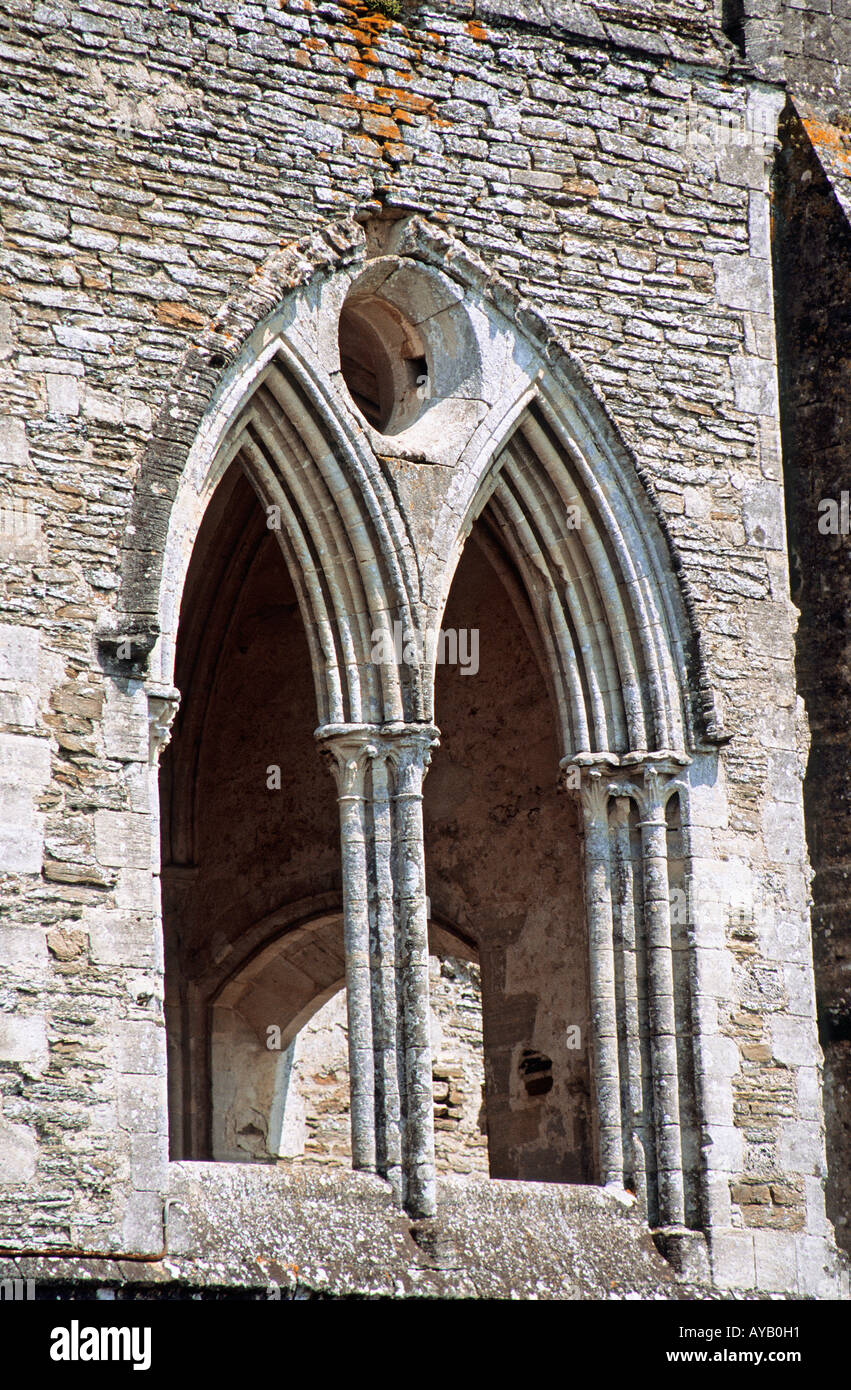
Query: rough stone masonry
(320, 322)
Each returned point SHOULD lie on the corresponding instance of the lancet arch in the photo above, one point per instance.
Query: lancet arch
(254, 391)
(590, 548)
(265, 385)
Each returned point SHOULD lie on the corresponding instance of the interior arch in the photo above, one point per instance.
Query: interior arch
(503, 858)
(263, 1009)
(248, 817)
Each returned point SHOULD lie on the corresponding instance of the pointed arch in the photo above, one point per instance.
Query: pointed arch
(255, 393)
(371, 545)
(601, 585)
(339, 541)
(589, 542)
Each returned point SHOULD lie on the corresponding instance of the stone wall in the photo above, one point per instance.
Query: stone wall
(817, 43)
(805, 42)
(154, 158)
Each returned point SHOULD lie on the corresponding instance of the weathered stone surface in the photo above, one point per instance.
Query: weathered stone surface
(571, 205)
(344, 1236)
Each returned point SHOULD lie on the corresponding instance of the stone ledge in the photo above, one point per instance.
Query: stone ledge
(269, 1232)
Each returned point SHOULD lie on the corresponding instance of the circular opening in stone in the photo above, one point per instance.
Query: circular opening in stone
(384, 363)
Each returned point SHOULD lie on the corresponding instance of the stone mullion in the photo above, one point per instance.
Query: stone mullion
(624, 906)
(386, 942)
(383, 966)
(349, 763)
(594, 797)
(412, 756)
(702, 1060)
(657, 925)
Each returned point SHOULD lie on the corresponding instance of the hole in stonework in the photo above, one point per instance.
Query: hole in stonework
(733, 23)
(383, 362)
(536, 1070)
(419, 366)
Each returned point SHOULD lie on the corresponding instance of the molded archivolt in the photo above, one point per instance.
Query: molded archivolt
(509, 429)
(512, 425)
(599, 593)
(347, 565)
(342, 534)
(589, 544)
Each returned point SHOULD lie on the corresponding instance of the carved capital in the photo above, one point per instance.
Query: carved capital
(594, 795)
(410, 747)
(649, 782)
(349, 749)
(163, 702)
(649, 779)
(348, 753)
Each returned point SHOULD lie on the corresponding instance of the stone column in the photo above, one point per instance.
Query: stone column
(651, 799)
(350, 755)
(594, 798)
(625, 924)
(186, 1129)
(163, 704)
(410, 755)
(379, 773)
(388, 1039)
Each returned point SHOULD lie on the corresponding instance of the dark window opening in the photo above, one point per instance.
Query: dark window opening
(733, 23)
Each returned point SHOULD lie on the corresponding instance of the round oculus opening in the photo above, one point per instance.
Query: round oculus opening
(383, 362)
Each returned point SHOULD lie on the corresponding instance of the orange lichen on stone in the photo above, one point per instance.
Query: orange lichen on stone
(178, 315)
(831, 139)
(369, 27)
(387, 110)
(380, 127)
(401, 97)
(364, 105)
(367, 144)
(475, 30)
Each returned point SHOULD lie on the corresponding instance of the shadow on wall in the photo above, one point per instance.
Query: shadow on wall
(812, 275)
